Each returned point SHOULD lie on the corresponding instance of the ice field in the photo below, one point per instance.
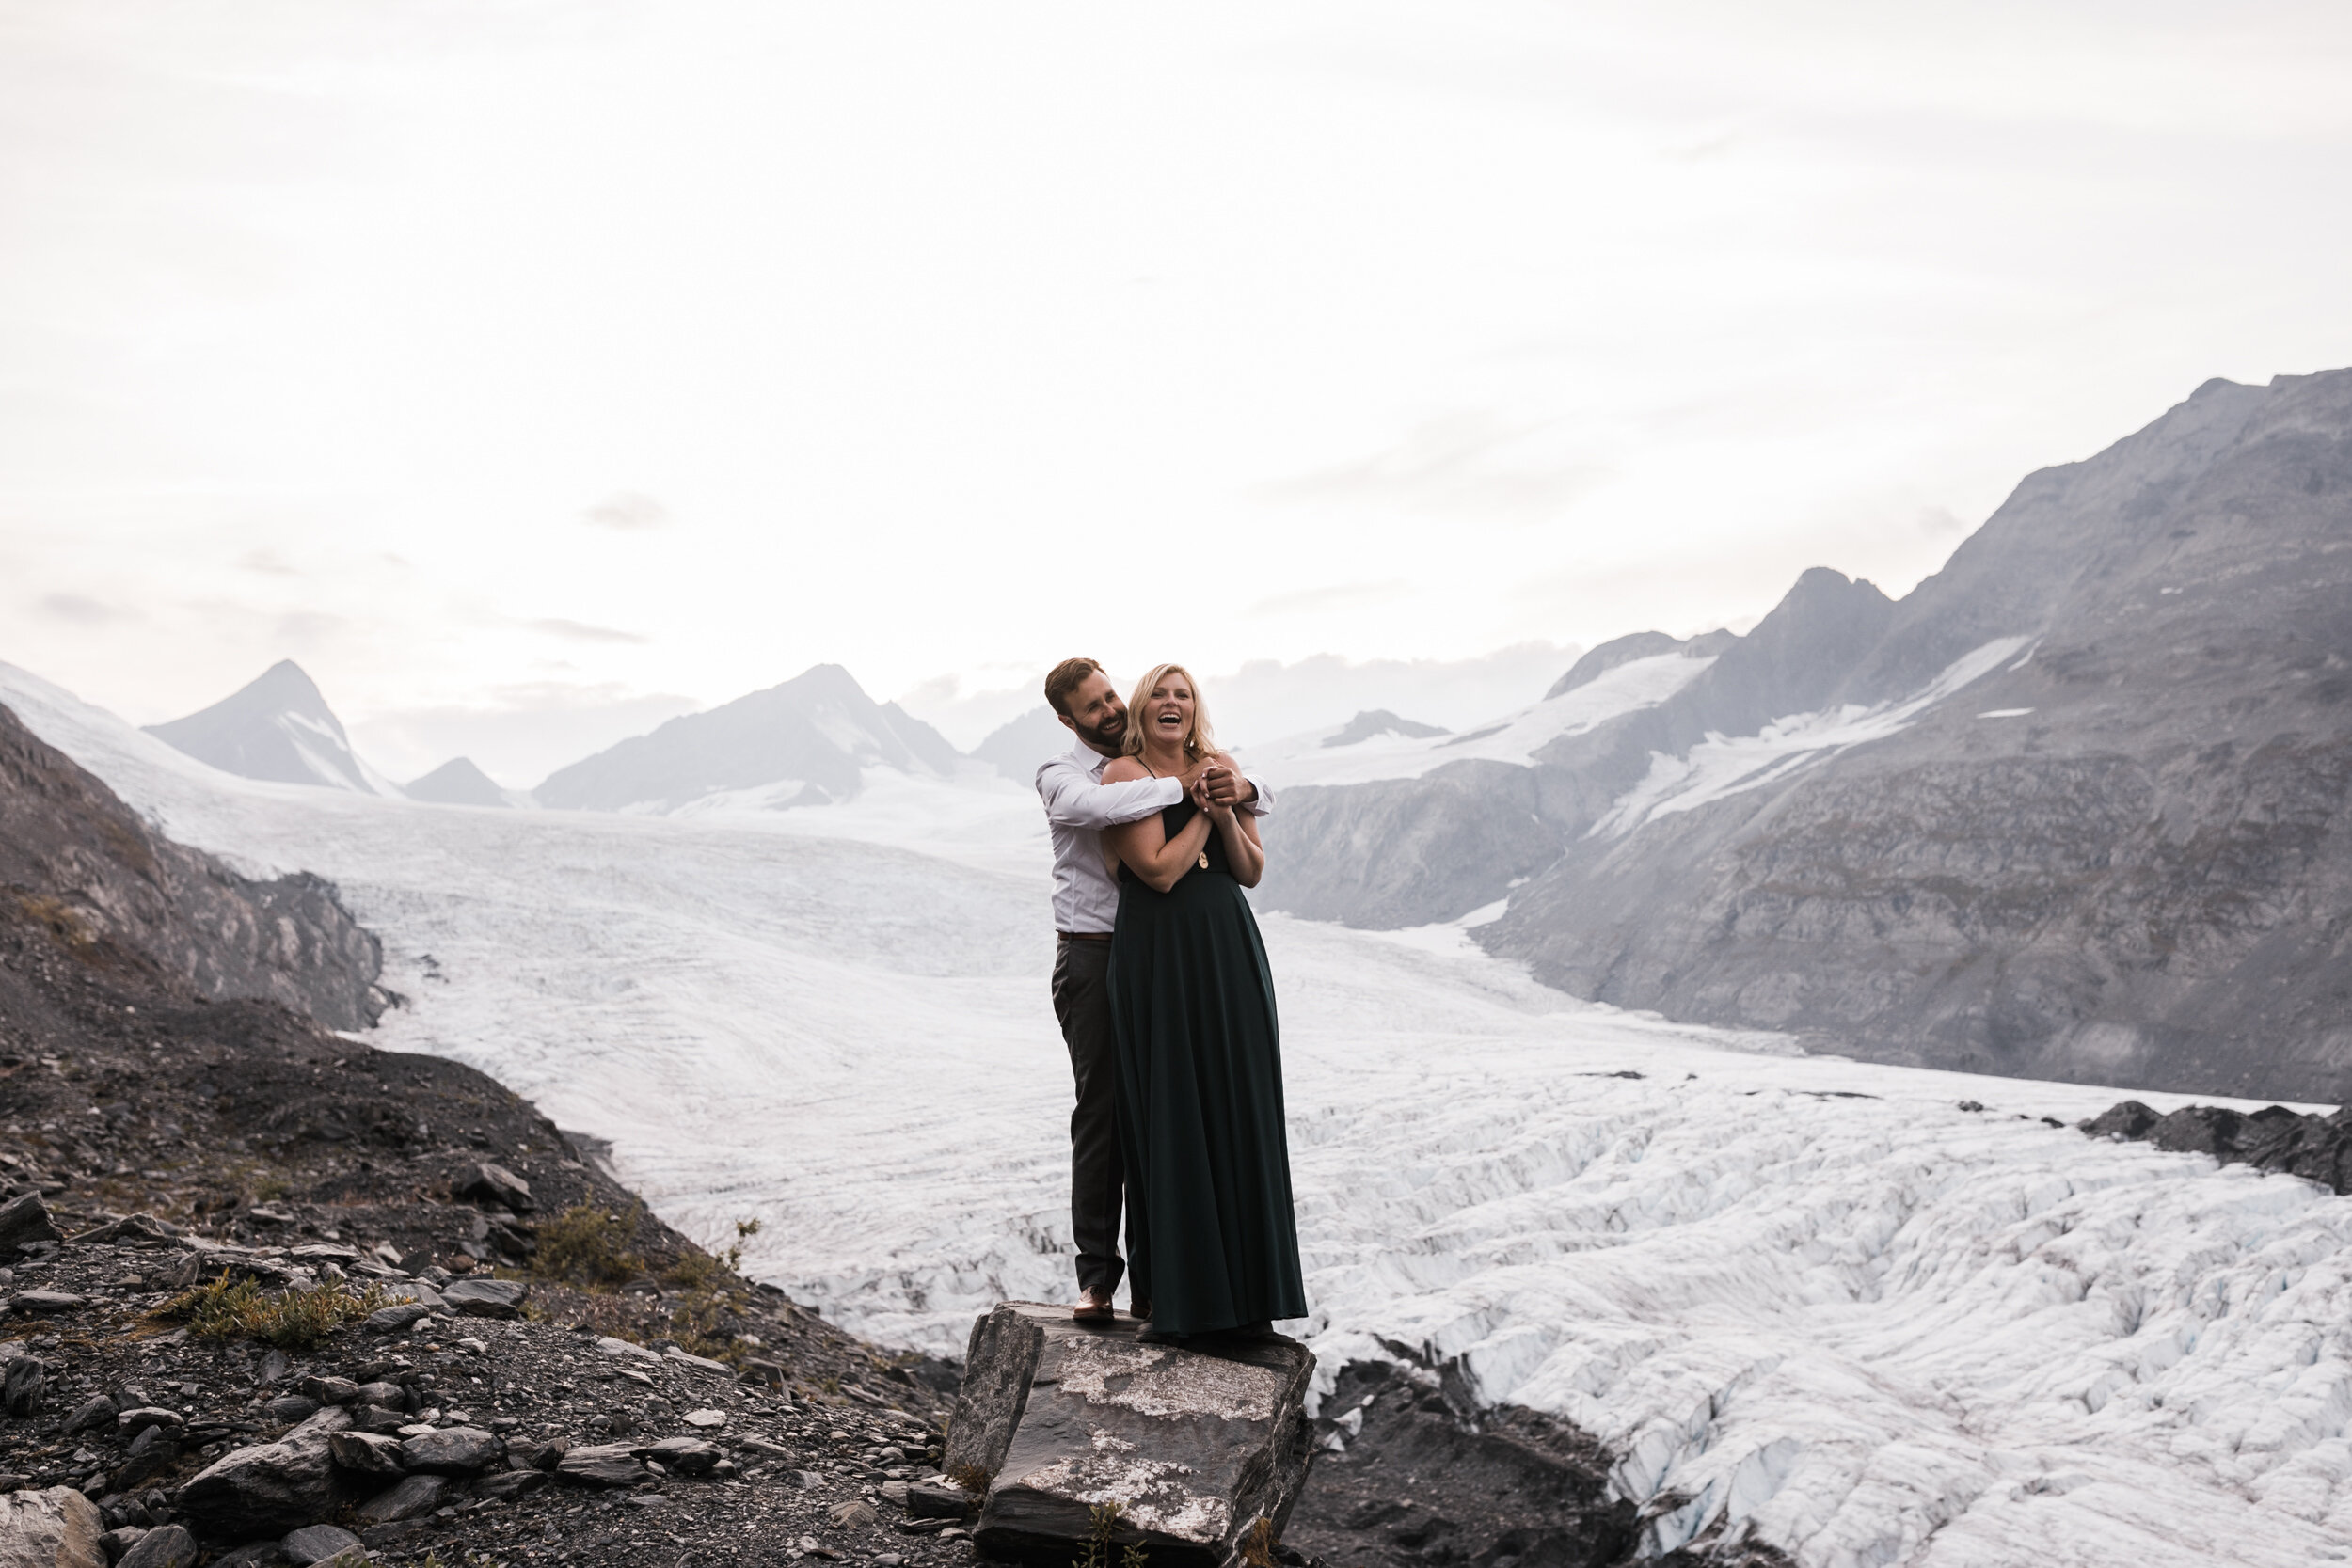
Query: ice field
(1795, 1292)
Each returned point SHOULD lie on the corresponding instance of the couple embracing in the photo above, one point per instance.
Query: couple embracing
(1167, 1004)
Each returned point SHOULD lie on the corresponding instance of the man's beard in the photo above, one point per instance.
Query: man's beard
(1105, 738)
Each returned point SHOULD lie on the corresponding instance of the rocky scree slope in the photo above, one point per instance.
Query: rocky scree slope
(2072, 808)
(529, 1377)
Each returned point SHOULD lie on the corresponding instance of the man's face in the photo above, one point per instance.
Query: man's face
(1097, 715)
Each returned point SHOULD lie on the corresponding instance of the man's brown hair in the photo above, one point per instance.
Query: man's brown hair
(1067, 677)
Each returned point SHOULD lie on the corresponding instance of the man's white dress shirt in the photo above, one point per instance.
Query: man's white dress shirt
(1078, 806)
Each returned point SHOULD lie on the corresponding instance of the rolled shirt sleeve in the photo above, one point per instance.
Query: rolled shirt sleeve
(1074, 801)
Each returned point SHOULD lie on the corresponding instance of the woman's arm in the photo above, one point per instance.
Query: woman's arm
(1239, 829)
(1149, 853)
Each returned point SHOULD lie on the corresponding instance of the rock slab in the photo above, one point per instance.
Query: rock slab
(270, 1486)
(1196, 1444)
(54, 1528)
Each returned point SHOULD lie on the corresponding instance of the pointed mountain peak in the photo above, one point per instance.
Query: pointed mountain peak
(457, 782)
(278, 727)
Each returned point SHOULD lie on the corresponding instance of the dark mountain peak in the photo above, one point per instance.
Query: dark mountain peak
(457, 782)
(1380, 720)
(276, 727)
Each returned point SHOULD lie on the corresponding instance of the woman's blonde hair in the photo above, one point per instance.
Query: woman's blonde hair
(1197, 740)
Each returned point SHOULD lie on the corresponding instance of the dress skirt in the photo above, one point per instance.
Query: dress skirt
(1211, 1242)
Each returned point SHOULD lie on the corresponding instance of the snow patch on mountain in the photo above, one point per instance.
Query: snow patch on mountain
(1313, 758)
(1722, 765)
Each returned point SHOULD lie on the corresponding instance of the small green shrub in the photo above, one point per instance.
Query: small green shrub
(290, 1320)
(586, 1245)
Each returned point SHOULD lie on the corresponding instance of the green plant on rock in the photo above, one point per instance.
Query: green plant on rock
(589, 1247)
(1104, 1520)
(744, 1232)
(290, 1320)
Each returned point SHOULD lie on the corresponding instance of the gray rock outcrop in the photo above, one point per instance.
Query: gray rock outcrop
(84, 865)
(1197, 1447)
(54, 1528)
(269, 1486)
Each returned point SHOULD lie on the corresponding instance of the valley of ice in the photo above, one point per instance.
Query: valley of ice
(1795, 1292)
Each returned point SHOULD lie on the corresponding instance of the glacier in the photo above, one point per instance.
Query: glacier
(1806, 1298)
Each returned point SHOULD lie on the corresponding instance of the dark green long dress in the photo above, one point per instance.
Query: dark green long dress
(1211, 1242)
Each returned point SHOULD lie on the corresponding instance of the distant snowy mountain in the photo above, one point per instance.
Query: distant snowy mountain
(807, 743)
(278, 729)
(1016, 749)
(2075, 807)
(457, 782)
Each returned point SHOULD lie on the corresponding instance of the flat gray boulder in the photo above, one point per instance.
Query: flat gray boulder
(270, 1486)
(602, 1464)
(487, 1298)
(412, 1498)
(453, 1451)
(1196, 1445)
(57, 1527)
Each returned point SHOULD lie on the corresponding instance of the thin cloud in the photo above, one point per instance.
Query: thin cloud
(267, 563)
(1469, 465)
(628, 511)
(1336, 596)
(581, 631)
(80, 610)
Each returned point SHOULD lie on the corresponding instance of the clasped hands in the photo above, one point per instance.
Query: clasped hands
(1217, 791)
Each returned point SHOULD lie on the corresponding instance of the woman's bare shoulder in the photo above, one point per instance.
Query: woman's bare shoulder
(1122, 770)
(1224, 761)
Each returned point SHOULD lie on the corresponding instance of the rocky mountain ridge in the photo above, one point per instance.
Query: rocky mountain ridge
(2072, 808)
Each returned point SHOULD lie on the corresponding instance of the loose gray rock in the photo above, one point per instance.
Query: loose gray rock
(330, 1390)
(687, 1456)
(1196, 1445)
(45, 1302)
(143, 1230)
(487, 1298)
(367, 1454)
(22, 1384)
(509, 1484)
(394, 1319)
(280, 1485)
(130, 1423)
(167, 1547)
(115, 1543)
(602, 1464)
(375, 1418)
(287, 1408)
(936, 1500)
(94, 1414)
(388, 1396)
(253, 1554)
(316, 1544)
(25, 1222)
(54, 1528)
(489, 1183)
(453, 1451)
(413, 1498)
(854, 1514)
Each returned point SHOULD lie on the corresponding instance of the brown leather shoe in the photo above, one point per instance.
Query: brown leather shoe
(1094, 1306)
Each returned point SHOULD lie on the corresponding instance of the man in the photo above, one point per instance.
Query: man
(1078, 806)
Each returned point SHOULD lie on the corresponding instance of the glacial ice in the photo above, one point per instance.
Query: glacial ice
(1801, 1296)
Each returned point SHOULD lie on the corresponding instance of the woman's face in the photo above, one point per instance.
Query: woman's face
(1167, 717)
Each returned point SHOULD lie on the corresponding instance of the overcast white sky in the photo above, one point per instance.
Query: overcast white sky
(594, 359)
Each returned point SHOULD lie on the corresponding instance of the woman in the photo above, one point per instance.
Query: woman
(1211, 1243)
